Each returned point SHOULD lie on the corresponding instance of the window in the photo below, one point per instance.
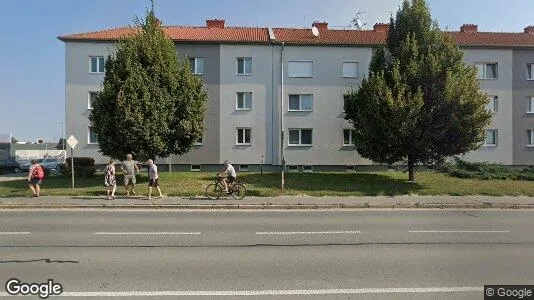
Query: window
(351, 168)
(530, 134)
(350, 69)
(292, 168)
(197, 65)
(92, 98)
(491, 137)
(302, 69)
(243, 168)
(244, 101)
(300, 137)
(530, 71)
(530, 105)
(195, 168)
(348, 137)
(307, 169)
(91, 137)
(345, 100)
(244, 66)
(198, 142)
(492, 105)
(486, 70)
(243, 136)
(97, 64)
(300, 102)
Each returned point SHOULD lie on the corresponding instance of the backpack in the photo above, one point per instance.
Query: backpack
(38, 172)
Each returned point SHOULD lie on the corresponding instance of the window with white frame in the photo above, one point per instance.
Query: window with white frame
(244, 65)
(97, 64)
(486, 70)
(92, 98)
(530, 134)
(91, 136)
(530, 71)
(195, 168)
(244, 101)
(197, 65)
(530, 105)
(300, 69)
(491, 137)
(348, 137)
(300, 137)
(350, 69)
(243, 136)
(300, 102)
(198, 142)
(492, 105)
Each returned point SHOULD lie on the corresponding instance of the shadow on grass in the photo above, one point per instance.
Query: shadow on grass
(368, 184)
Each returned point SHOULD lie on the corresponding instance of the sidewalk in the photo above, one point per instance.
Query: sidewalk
(284, 202)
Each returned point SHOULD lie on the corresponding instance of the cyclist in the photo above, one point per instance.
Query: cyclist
(229, 170)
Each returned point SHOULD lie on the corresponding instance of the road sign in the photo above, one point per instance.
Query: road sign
(72, 141)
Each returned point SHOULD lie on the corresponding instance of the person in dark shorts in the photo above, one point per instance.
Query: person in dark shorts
(35, 178)
(153, 178)
(228, 170)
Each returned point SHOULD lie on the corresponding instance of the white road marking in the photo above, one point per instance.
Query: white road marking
(306, 232)
(147, 233)
(13, 232)
(428, 290)
(459, 231)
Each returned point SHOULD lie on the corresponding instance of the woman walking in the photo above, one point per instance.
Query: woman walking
(110, 180)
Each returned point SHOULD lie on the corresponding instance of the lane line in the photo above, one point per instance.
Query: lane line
(14, 232)
(428, 290)
(459, 231)
(305, 232)
(147, 233)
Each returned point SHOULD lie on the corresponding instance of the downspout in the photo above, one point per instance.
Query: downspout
(283, 162)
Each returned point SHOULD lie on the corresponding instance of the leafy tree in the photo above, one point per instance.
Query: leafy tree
(420, 102)
(61, 144)
(13, 140)
(151, 104)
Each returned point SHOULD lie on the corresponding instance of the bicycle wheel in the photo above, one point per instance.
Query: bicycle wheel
(213, 191)
(239, 191)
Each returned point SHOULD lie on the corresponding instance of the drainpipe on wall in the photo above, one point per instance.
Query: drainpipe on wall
(283, 162)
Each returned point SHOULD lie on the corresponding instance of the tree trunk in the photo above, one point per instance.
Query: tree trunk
(411, 169)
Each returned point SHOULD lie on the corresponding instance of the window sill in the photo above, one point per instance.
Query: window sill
(347, 145)
(349, 77)
(490, 145)
(243, 109)
(530, 79)
(97, 73)
(299, 145)
(243, 144)
(243, 74)
(299, 76)
(302, 110)
(197, 145)
(487, 78)
(530, 112)
(530, 146)
(92, 143)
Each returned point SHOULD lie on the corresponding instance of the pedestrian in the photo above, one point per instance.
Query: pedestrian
(35, 178)
(110, 179)
(153, 178)
(129, 167)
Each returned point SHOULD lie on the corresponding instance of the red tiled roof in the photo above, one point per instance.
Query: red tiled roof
(302, 36)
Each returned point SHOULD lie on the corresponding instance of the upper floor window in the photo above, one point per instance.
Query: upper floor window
(348, 137)
(97, 64)
(244, 101)
(345, 100)
(91, 136)
(300, 102)
(492, 105)
(243, 136)
(300, 137)
(198, 142)
(491, 137)
(350, 69)
(303, 69)
(244, 66)
(530, 105)
(197, 65)
(486, 70)
(92, 98)
(530, 71)
(530, 134)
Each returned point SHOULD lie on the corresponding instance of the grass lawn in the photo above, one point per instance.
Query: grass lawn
(313, 184)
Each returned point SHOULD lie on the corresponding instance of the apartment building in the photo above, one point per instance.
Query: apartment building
(261, 81)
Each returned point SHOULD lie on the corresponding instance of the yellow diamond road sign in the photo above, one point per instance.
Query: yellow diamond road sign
(72, 141)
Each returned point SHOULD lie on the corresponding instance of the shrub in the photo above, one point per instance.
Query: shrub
(84, 167)
(485, 171)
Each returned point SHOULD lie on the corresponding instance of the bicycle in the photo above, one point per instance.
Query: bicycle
(236, 189)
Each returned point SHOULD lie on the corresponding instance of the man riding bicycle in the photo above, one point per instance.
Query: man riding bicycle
(229, 170)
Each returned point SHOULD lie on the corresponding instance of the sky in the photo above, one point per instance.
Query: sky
(32, 59)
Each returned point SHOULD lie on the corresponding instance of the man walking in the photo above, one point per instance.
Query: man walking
(153, 178)
(129, 167)
(35, 178)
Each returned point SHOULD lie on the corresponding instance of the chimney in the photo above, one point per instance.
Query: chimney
(469, 28)
(381, 27)
(215, 23)
(320, 25)
(529, 29)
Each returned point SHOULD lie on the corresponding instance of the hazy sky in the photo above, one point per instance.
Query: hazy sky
(32, 80)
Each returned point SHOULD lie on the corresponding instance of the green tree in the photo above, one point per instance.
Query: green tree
(61, 144)
(420, 102)
(151, 104)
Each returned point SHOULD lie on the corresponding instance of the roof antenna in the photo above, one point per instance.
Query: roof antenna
(357, 22)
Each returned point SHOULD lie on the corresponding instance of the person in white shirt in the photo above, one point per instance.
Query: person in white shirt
(153, 178)
(229, 170)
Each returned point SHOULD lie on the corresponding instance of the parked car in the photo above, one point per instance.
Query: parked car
(47, 163)
(10, 166)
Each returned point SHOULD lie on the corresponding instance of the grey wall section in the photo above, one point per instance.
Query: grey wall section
(523, 121)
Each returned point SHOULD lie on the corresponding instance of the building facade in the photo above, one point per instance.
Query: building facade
(262, 81)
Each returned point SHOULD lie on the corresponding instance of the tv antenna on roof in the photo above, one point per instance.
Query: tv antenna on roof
(357, 21)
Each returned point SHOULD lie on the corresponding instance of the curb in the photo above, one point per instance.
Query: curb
(276, 206)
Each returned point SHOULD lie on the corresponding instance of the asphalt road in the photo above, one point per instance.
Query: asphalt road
(366, 254)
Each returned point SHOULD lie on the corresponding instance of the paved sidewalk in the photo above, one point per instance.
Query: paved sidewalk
(284, 202)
